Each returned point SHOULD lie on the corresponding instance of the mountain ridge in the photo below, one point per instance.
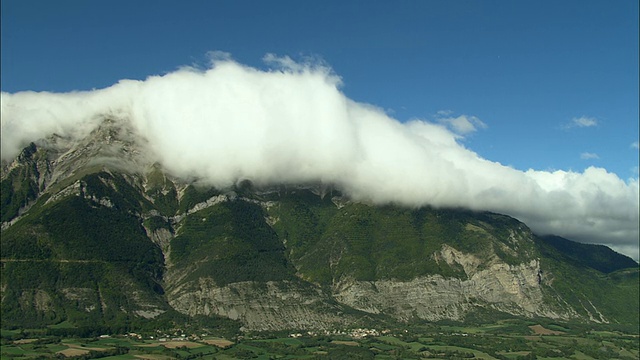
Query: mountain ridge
(118, 240)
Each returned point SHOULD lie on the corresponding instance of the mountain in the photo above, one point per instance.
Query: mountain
(598, 257)
(96, 234)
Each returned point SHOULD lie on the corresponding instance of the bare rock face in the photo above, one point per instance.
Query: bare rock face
(508, 288)
(261, 306)
(514, 289)
(428, 298)
(161, 237)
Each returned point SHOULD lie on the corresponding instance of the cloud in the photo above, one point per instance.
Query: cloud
(635, 145)
(292, 124)
(461, 125)
(581, 122)
(218, 56)
(589, 156)
(443, 113)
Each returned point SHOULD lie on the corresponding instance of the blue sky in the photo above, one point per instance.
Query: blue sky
(555, 82)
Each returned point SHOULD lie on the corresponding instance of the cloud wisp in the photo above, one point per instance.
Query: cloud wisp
(581, 122)
(463, 124)
(292, 124)
(589, 156)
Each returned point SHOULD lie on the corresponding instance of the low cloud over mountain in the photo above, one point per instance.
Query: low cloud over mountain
(292, 124)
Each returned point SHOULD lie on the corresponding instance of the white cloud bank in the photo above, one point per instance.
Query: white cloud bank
(292, 124)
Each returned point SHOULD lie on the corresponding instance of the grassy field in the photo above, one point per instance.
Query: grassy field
(439, 342)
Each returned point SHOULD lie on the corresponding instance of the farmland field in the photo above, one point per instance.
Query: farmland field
(511, 340)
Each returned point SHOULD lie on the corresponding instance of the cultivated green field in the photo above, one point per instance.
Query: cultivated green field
(511, 339)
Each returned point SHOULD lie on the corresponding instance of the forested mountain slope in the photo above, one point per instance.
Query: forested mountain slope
(93, 234)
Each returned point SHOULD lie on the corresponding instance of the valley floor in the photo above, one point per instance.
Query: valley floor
(502, 340)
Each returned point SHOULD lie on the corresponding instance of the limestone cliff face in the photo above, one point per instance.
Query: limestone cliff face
(261, 306)
(514, 289)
